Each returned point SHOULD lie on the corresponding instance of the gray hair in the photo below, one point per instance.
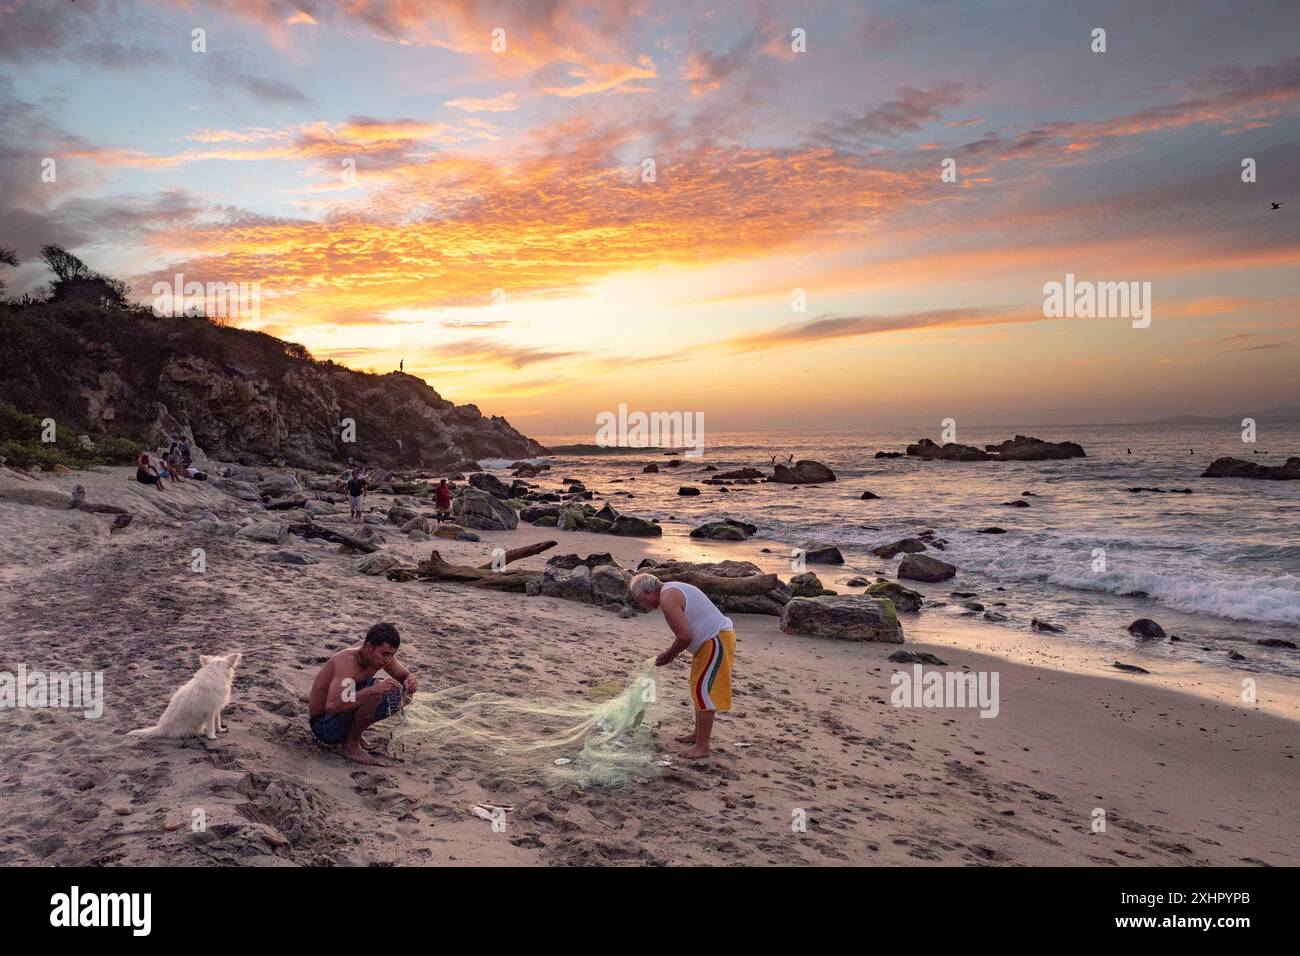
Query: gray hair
(642, 584)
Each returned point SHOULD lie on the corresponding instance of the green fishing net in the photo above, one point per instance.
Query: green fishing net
(600, 740)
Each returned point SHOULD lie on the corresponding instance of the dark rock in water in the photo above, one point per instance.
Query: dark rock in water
(992, 530)
(1234, 656)
(807, 584)
(889, 454)
(1041, 625)
(1236, 468)
(1275, 642)
(1017, 503)
(1145, 629)
(975, 606)
(686, 491)
(1028, 494)
(805, 472)
(740, 473)
(710, 468)
(994, 616)
(1130, 668)
(857, 581)
(485, 481)
(728, 529)
(903, 546)
(1161, 491)
(627, 526)
(921, 567)
(842, 618)
(926, 448)
(818, 552)
(676, 462)
(916, 657)
(904, 599)
(1023, 448)
(961, 594)
(869, 496)
(650, 469)
(607, 513)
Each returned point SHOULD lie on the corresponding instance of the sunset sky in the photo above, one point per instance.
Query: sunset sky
(775, 170)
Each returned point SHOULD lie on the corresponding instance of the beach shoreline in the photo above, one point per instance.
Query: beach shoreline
(1185, 772)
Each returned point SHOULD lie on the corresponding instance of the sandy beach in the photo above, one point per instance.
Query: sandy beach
(1185, 771)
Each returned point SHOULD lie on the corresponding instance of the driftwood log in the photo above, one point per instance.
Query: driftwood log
(717, 586)
(438, 569)
(309, 530)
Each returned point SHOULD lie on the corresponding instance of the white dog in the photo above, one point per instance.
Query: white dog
(196, 708)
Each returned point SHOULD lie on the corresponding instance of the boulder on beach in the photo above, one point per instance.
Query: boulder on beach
(532, 513)
(1145, 629)
(400, 514)
(1236, 468)
(904, 599)
(902, 546)
(770, 602)
(628, 526)
(485, 481)
(473, 508)
(267, 532)
(922, 567)
(857, 618)
(728, 529)
(805, 472)
(819, 552)
(808, 584)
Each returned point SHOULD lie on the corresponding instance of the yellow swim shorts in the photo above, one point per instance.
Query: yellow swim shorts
(711, 672)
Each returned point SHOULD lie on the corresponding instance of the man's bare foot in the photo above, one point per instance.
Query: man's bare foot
(695, 753)
(359, 755)
(685, 739)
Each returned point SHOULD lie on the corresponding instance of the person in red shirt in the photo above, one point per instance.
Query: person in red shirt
(443, 494)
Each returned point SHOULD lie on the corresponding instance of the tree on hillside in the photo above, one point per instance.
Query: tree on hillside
(9, 257)
(65, 266)
(76, 280)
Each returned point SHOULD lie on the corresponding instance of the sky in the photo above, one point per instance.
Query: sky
(551, 209)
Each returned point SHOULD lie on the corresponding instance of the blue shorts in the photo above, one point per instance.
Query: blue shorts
(333, 728)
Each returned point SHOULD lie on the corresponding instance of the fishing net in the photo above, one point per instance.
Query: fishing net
(601, 741)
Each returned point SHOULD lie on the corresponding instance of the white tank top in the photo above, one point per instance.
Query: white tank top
(702, 616)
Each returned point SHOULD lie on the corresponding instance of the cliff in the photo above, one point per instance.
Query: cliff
(112, 372)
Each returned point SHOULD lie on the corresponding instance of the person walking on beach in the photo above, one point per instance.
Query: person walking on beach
(356, 494)
(345, 698)
(443, 495)
(699, 627)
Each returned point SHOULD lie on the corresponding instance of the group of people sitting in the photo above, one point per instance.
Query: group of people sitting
(176, 464)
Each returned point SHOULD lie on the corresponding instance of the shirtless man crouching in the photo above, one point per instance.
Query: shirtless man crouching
(345, 698)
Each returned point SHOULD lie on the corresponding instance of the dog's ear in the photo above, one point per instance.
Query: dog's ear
(205, 660)
(233, 659)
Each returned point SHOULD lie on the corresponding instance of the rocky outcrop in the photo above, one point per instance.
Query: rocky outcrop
(903, 546)
(1020, 448)
(627, 526)
(485, 481)
(808, 584)
(806, 472)
(240, 396)
(768, 602)
(921, 567)
(1024, 448)
(1236, 468)
(843, 619)
(819, 552)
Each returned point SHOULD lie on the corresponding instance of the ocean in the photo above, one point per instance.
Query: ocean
(1219, 568)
